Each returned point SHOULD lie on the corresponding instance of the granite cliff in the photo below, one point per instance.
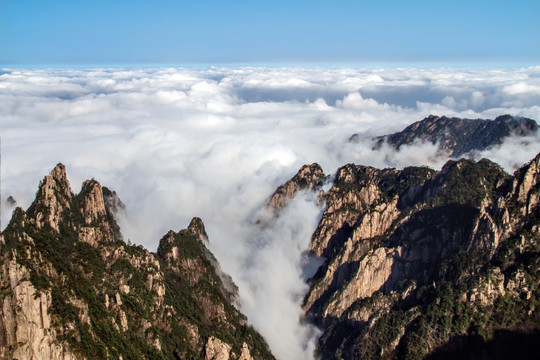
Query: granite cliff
(428, 264)
(71, 288)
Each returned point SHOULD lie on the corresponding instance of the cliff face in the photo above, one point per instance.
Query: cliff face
(457, 136)
(71, 288)
(309, 177)
(427, 263)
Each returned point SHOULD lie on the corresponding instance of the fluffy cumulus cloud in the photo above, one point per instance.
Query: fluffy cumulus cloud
(216, 142)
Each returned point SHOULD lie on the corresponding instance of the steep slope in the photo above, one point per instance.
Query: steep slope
(457, 136)
(309, 177)
(431, 263)
(71, 288)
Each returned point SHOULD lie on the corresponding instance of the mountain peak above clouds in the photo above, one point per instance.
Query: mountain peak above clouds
(422, 263)
(71, 288)
(457, 136)
(308, 177)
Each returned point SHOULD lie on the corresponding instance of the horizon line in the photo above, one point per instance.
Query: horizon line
(277, 64)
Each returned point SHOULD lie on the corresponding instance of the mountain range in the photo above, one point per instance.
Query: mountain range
(458, 137)
(416, 264)
(71, 288)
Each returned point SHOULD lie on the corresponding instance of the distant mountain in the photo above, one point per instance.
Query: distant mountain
(428, 264)
(71, 288)
(458, 136)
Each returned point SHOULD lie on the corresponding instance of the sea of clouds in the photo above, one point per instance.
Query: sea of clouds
(216, 142)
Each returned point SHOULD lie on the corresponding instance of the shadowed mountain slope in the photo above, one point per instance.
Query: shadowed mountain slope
(457, 136)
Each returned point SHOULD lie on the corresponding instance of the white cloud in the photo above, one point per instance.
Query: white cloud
(274, 281)
(355, 101)
(215, 143)
(521, 88)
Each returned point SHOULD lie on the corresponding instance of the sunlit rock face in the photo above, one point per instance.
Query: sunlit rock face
(309, 177)
(71, 288)
(416, 251)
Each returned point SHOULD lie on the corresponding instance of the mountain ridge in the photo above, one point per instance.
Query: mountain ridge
(458, 137)
(418, 264)
(399, 243)
(71, 288)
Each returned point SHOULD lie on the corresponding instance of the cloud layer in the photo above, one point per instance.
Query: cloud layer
(216, 142)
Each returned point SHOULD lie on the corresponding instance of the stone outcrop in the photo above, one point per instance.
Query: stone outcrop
(309, 177)
(71, 288)
(526, 185)
(26, 331)
(245, 354)
(53, 199)
(373, 272)
(217, 349)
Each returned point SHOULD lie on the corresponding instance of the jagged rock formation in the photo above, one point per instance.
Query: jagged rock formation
(456, 136)
(423, 263)
(71, 288)
(308, 177)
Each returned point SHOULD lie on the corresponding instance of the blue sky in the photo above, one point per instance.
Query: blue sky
(268, 32)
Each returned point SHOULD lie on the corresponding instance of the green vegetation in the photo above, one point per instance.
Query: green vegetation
(466, 182)
(184, 297)
(95, 317)
(373, 341)
(439, 316)
(449, 236)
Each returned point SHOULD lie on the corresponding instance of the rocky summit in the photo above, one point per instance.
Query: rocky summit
(309, 177)
(71, 288)
(456, 136)
(428, 264)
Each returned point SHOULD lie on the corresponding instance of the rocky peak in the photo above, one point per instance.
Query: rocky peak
(516, 125)
(52, 199)
(346, 174)
(457, 136)
(196, 227)
(527, 179)
(230, 289)
(187, 250)
(360, 175)
(464, 181)
(308, 177)
(93, 204)
(189, 243)
(70, 289)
